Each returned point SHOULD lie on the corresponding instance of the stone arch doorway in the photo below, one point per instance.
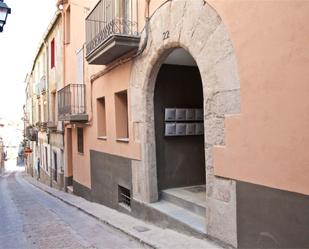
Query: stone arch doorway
(178, 119)
(206, 39)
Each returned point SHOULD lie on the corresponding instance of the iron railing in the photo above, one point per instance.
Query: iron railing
(31, 133)
(124, 196)
(71, 100)
(111, 17)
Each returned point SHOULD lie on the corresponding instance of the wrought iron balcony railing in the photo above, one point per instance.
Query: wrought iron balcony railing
(40, 87)
(72, 103)
(111, 30)
(31, 133)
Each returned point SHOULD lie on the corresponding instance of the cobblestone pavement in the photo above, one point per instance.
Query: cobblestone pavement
(30, 218)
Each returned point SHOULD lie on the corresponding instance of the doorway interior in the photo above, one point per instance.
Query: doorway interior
(179, 134)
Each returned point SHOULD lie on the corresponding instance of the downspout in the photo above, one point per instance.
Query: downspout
(63, 84)
(48, 114)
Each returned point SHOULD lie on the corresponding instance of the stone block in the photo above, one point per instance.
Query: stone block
(206, 23)
(227, 102)
(221, 215)
(217, 47)
(214, 131)
(188, 23)
(226, 74)
(138, 191)
(177, 11)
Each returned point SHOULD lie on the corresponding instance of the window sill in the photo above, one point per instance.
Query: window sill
(80, 153)
(102, 138)
(123, 140)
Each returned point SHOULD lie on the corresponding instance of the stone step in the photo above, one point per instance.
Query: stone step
(70, 189)
(181, 197)
(178, 218)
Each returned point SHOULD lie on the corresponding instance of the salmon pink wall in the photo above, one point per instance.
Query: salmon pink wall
(268, 142)
(81, 162)
(106, 86)
(79, 9)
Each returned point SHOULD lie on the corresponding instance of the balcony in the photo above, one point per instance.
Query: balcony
(72, 103)
(40, 87)
(31, 133)
(111, 31)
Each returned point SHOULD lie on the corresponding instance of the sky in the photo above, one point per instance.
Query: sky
(18, 43)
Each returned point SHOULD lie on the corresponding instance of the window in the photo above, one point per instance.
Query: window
(53, 107)
(67, 25)
(52, 53)
(101, 117)
(46, 159)
(121, 109)
(80, 140)
(39, 112)
(55, 166)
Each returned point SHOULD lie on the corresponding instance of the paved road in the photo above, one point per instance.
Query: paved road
(30, 218)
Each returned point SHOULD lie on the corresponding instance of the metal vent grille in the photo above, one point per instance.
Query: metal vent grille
(124, 196)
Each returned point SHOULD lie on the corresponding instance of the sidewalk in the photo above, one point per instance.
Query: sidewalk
(146, 233)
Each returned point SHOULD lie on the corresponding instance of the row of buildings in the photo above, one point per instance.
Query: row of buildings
(191, 114)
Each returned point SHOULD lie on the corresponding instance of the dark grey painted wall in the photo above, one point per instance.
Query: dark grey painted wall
(68, 180)
(107, 172)
(180, 160)
(82, 191)
(271, 218)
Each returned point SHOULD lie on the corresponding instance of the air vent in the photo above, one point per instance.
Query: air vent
(124, 196)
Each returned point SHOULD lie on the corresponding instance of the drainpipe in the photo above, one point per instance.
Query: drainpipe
(48, 114)
(62, 2)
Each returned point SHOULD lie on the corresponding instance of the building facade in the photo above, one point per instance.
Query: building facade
(188, 114)
(43, 131)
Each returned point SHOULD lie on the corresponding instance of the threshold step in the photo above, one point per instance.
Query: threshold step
(192, 198)
(70, 189)
(181, 215)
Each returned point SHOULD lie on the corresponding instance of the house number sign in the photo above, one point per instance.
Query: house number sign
(166, 35)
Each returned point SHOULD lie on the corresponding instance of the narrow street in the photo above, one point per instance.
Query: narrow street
(30, 218)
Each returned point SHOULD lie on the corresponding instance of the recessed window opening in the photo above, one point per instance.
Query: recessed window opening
(101, 116)
(52, 53)
(124, 196)
(80, 140)
(121, 109)
(46, 159)
(55, 167)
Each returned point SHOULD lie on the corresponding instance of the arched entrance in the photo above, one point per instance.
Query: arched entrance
(206, 39)
(179, 130)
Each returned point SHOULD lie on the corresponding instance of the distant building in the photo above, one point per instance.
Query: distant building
(43, 131)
